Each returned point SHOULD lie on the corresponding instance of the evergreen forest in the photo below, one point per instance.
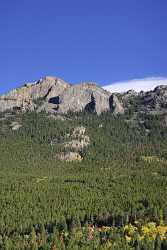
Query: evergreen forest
(115, 198)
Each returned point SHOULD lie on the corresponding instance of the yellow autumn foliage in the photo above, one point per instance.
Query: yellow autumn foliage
(149, 230)
(129, 230)
(152, 159)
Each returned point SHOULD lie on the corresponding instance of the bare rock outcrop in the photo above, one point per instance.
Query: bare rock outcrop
(157, 98)
(10, 103)
(53, 95)
(46, 87)
(69, 156)
(79, 132)
(87, 97)
(151, 102)
(78, 144)
(155, 101)
(115, 105)
(77, 141)
(15, 126)
(23, 98)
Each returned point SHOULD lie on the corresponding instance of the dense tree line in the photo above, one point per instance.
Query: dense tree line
(49, 204)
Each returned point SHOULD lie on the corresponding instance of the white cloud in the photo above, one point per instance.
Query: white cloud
(144, 84)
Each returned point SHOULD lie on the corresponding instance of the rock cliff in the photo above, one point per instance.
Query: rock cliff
(53, 95)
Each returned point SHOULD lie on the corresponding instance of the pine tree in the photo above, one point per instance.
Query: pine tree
(43, 234)
(164, 244)
(33, 241)
(165, 215)
(157, 245)
(62, 225)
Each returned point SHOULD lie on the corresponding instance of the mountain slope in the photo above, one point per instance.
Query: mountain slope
(121, 180)
(77, 180)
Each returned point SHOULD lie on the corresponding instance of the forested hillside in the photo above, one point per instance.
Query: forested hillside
(114, 198)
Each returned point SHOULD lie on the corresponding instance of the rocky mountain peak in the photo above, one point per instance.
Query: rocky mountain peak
(153, 101)
(57, 96)
(54, 95)
(38, 89)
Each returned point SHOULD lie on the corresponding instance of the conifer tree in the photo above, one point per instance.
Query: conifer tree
(157, 244)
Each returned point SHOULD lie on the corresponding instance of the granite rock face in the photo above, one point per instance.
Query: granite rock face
(23, 98)
(156, 100)
(150, 102)
(115, 105)
(9, 103)
(46, 87)
(53, 95)
(86, 96)
(76, 142)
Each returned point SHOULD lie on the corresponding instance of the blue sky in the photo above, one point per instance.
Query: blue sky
(91, 40)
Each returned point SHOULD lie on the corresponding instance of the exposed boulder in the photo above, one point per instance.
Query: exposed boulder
(77, 145)
(78, 132)
(15, 126)
(72, 148)
(69, 156)
(115, 105)
(78, 139)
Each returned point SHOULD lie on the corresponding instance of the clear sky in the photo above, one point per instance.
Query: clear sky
(92, 40)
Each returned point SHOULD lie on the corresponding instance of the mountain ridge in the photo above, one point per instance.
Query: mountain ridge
(54, 95)
(60, 97)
